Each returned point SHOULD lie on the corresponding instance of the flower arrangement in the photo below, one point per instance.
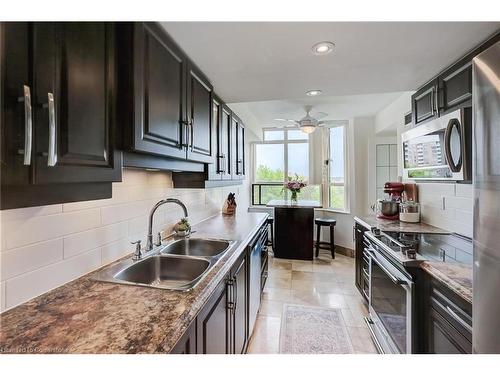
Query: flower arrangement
(182, 228)
(294, 185)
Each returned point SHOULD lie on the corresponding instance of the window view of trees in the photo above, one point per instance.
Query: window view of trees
(286, 153)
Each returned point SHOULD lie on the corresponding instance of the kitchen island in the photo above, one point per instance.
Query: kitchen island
(294, 228)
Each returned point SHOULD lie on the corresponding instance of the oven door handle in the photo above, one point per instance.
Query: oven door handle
(393, 278)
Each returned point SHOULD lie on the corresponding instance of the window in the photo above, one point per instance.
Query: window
(286, 152)
(336, 191)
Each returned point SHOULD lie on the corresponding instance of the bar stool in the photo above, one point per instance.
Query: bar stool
(270, 222)
(325, 222)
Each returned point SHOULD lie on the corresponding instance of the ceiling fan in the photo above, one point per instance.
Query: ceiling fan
(309, 122)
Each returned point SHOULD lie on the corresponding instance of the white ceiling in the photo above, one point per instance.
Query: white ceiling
(262, 114)
(258, 61)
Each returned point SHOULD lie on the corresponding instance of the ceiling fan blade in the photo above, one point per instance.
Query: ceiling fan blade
(284, 119)
(327, 122)
(284, 126)
(319, 115)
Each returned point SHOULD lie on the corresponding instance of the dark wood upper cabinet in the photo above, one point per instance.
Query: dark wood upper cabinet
(199, 116)
(152, 74)
(225, 145)
(240, 149)
(455, 86)
(58, 113)
(74, 103)
(425, 103)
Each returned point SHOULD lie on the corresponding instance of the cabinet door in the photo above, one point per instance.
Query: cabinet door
(216, 167)
(233, 129)
(240, 308)
(74, 75)
(239, 142)
(16, 104)
(443, 338)
(456, 87)
(159, 69)
(187, 343)
(225, 142)
(358, 246)
(199, 116)
(213, 323)
(425, 103)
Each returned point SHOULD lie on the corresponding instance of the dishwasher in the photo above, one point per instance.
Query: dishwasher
(256, 249)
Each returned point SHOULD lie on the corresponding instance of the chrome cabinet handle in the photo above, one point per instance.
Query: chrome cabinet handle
(52, 157)
(230, 303)
(192, 132)
(459, 319)
(235, 294)
(436, 100)
(28, 125)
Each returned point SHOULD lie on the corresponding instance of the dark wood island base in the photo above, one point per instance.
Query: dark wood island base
(294, 229)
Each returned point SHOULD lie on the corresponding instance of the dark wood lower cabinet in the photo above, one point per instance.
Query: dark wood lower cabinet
(448, 320)
(360, 278)
(187, 343)
(239, 318)
(443, 338)
(213, 323)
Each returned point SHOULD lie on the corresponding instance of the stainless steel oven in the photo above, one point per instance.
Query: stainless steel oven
(440, 149)
(391, 307)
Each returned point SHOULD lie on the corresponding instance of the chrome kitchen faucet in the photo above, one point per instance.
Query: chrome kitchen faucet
(149, 243)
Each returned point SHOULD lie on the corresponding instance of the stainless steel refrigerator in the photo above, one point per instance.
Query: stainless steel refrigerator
(486, 130)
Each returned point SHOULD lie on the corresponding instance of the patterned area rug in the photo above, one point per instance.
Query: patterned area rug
(313, 330)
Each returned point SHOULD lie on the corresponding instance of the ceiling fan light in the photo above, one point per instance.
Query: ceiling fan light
(308, 129)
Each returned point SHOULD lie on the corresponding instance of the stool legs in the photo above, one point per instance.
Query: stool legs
(332, 241)
(318, 236)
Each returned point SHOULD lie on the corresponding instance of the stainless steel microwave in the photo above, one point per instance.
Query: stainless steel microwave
(440, 149)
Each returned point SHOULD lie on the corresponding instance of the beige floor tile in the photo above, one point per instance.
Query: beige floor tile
(271, 308)
(277, 294)
(323, 268)
(306, 266)
(265, 338)
(286, 274)
(279, 282)
(331, 300)
(353, 319)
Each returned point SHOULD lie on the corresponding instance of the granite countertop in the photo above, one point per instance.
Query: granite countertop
(398, 226)
(289, 204)
(89, 316)
(457, 277)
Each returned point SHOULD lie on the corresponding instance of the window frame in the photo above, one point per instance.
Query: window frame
(285, 142)
(325, 156)
(326, 184)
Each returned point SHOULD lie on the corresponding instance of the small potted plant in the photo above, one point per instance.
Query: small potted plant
(294, 185)
(182, 228)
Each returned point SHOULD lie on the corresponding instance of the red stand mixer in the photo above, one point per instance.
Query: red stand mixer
(389, 208)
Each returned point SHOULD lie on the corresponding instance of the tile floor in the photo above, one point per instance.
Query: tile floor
(323, 282)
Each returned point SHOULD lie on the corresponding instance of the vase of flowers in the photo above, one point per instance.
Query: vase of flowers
(294, 185)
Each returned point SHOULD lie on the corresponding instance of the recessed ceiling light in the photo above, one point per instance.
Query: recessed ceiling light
(323, 48)
(314, 92)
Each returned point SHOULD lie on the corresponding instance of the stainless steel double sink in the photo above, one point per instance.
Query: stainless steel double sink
(178, 265)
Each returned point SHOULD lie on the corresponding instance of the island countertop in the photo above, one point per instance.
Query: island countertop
(89, 316)
(281, 203)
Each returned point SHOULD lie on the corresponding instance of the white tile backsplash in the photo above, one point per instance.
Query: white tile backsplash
(28, 285)
(28, 258)
(447, 205)
(45, 247)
